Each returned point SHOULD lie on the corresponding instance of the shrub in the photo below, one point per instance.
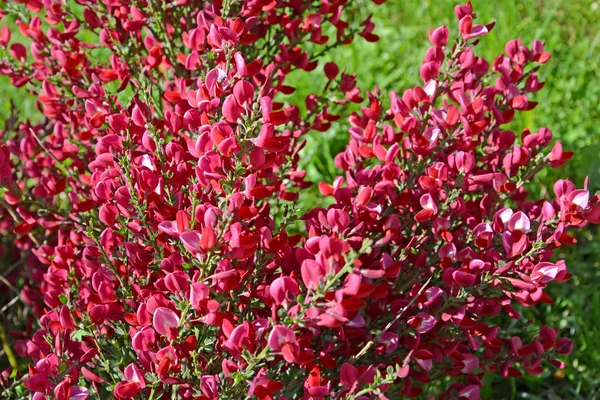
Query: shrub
(155, 208)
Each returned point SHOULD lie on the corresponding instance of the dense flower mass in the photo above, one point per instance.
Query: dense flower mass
(153, 211)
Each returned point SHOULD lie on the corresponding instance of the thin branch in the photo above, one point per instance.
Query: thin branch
(364, 350)
(10, 285)
(15, 265)
(10, 303)
(15, 217)
(8, 390)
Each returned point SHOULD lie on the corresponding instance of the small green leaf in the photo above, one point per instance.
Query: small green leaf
(78, 335)
(119, 331)
(390, 371)
(63, 299)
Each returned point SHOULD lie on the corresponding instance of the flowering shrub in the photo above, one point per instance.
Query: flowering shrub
(154, 210)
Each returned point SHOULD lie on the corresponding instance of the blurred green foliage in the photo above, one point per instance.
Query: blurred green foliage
(568, 103)
(569, 106)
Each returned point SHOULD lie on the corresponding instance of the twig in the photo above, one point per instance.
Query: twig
(59, 163)
(8, 390)
(10, 285)
(15, 217)
(15, 265)
(392, 322)
(10, 303)
(9, 353)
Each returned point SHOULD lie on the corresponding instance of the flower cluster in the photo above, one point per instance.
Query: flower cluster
(154, 209)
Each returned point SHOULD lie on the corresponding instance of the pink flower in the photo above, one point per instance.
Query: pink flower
(389, 340)
(165, 321)
(133, 374)
(231, 109)
(208, 385)
(126, 390)
(519, 222)
(422, 322)
(171, 216)
(284, 290)
(79, 393)
(439, 36)
(283, 339)
(429, 208)
(198, 243)
(546, 272)
(470, 31)
(239, 339)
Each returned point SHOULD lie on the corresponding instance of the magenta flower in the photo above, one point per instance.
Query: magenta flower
(198, 243)
(284, 291)
(208, 385)
(133, 374)
(165, 321)
(422, 322)
(283, 340)
(546, 272)
(126, 390)
(439, 36)
(158, 200)
(389, 340)
(244, 336)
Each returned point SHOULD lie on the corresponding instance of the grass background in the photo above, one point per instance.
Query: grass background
(569, 105)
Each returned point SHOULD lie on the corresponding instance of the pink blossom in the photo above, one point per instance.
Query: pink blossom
(283, 339)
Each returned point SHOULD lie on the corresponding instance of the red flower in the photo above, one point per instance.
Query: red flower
(165, 322)
(283, 340)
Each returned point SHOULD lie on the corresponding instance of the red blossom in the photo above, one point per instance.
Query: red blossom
(155, 208)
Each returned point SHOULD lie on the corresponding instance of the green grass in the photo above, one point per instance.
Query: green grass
(568, 103)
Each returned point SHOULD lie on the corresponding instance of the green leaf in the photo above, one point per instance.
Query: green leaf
(78, 335)
(390, 371)
(120, 331)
